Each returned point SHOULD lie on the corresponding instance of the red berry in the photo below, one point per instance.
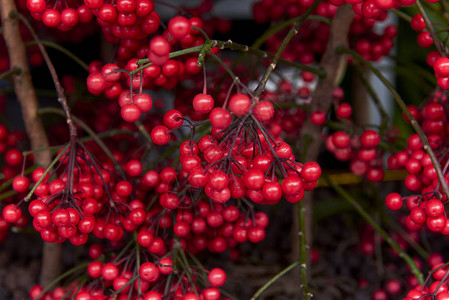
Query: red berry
(130, 112)
(220, 118)
(239, 104)
(20, 184)
(393, 201)
(173, 119)
(160, 135)
(12, 213)
(179, 27)
(203, 103)
(217, 277)
(263, 111)
(149, 272)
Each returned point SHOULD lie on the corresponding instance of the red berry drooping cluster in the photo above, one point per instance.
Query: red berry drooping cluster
(12, 164)
(56, 14)
(436, 284)
(427, 205)
(148, 277)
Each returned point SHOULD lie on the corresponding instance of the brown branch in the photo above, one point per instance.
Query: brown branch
(26, 95)
(310, 140)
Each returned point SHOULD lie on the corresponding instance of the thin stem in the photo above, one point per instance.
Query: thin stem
(303, 250)
(14, 71)
(187, 268)
(63, 50)
(413, 122)
(293, 31)
(273, 280)
(374, 97)
(430, 28)
(59, 90)
(233, 46)
(7, 194)
(377, 228)
(146, 62)
(221, 62)
(53, 163)
(61, 277)
(273, 30)
(145, 133)
(401, 15)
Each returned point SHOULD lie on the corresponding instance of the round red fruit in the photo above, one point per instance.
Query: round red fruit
(239, 104)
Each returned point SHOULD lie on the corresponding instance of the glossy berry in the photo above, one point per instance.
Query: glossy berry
(20, 184)
(393, 201)
(179, 27)
(203, 103)
(217, 277)
(130, 112)
(263, 111)
(160, 135)
(11, 213)
(239, 104)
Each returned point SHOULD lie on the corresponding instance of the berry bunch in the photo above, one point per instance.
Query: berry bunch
(427, 205)
(123, 276)
(56, 14)
(314, 35)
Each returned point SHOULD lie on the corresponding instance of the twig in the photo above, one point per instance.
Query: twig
(374, 97)
(310, 140)
(431, 30)
(293, 31)
(14, 71)
(273, 280)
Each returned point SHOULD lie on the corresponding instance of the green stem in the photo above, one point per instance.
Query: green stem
(273, 280)
(146, 62)
(187, 268)
(430, 28)
(303, 251)
(139, 290)
(53, 163)
(417, 247)
(144, 132)
(7, 194)
(61, 277)
(403, 106)
(275, 29)
(221, 62)
(401, 15)
(13, 71)
(293, 31)
(8, 183)
(63, 50)
(233, 46)
(374, 97)
(377, 228)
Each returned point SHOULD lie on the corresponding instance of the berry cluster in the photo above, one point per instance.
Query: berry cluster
(12, 164)
(56, 14)
(314, 35)
(123, 276)
(427, 205)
